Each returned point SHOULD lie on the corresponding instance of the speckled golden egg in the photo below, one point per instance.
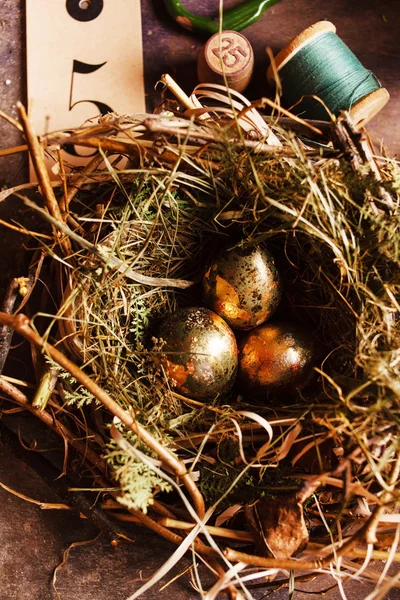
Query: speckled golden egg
(275, 357)
(243, 286)
(199, 353)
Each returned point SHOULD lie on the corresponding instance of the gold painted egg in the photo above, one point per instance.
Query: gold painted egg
(243, 286)
(199, 354)
(275, 357)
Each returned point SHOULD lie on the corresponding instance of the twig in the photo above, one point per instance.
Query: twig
(20, 382)
(375, 554)
(114, 146)
(140, 517)
(63, 200)
(51, 422)
(19, 286)
(36, 153)
(243, 536)
(25, 231)
(154, 125)
(366, 532)
(263, 101)
(290, 564)
(298, 564)
(178, 92)
(159, 508)
(21, 324)
(14, 150)
(314, 481)
(386, 497)
(6, 334)
(43, 505)
(12, 121)
(76, 186)
(105, 144)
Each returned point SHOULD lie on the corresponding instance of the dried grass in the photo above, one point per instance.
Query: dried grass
(330, 214)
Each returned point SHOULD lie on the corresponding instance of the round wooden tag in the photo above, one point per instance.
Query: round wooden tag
(229, 53)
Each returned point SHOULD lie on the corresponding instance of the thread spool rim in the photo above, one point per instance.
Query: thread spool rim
(367, 107)
(296, 44)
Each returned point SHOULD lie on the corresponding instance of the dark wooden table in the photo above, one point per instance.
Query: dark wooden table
(33, 540)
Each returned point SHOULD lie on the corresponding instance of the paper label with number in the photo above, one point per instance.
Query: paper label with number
(84, 57)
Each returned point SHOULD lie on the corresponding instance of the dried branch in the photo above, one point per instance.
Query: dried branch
(21, 324)
(242, 536)
(36, 152)
(49, 420)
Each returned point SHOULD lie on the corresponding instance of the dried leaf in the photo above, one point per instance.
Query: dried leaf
(278, 525)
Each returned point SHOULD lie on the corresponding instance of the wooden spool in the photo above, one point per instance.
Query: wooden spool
(364, 109)
(228, 53)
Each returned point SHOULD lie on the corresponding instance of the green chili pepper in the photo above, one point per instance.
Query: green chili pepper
(235, 19)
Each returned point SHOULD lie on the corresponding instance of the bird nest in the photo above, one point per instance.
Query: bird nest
(303, 484)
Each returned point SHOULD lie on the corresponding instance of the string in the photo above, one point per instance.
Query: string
(327, 68)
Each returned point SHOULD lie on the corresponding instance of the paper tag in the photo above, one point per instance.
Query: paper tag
(84, 57)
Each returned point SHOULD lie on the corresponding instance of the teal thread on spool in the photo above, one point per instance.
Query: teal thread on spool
(318, 63)
(326, 68)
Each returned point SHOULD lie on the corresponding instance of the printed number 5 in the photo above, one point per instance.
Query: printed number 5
(84, 69)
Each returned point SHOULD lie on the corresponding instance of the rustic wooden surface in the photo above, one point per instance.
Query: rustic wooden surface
(33, 540)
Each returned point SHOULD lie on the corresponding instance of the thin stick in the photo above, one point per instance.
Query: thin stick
(6, 334)
(156, 506)
(155, 126)
(51, 422)
(356, 488)
(12, 121)
(82, 448)
(43, 505)
(25, 231)
(36, 152)
(21, 324)
(114, 146)
(14, 150)
(177, 91)
(290, 564)
(375, 554)
(63, 201)
(76, 186)
(223, 532)
(138, 516)
(105, 144)
(20, 382)
(366, 532)
(48, 473)
(261, 103)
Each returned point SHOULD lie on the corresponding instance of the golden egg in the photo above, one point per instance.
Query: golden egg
(199, 354)
(275, 357)
(243, 286)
